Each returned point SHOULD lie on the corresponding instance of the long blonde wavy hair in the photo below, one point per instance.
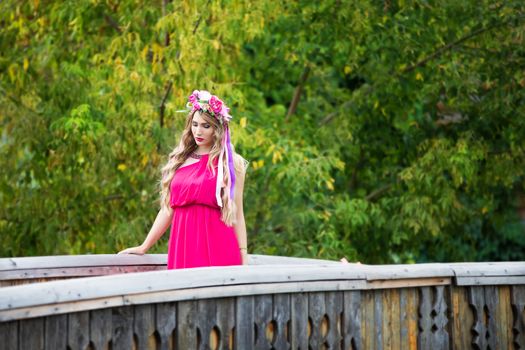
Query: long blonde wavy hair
(186, 146)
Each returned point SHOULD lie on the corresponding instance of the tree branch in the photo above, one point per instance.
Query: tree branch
(450, 46)
(113, 23)
(297, 93)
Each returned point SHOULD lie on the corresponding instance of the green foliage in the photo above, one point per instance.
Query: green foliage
(407, 142)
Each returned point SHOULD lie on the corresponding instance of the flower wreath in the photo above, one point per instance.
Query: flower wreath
(204, 101)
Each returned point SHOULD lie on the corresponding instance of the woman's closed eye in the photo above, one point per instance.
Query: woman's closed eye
(206, 126)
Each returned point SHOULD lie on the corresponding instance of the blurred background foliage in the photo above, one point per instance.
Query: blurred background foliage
(380, 131)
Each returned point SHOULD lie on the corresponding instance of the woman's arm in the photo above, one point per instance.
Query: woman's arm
(240, 225)
(161, 224)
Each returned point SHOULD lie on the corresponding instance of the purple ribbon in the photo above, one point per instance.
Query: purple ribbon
(230, 161)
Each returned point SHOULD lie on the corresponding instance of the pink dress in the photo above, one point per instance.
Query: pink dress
(198, 236)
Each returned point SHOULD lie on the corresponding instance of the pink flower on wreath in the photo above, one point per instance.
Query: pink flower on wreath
(193, 98)
(225, 112)
(196, 106)
(215, 104)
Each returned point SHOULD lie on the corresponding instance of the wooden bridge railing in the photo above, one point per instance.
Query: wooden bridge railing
(273, 303)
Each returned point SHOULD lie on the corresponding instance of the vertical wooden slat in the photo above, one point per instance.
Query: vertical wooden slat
(186, 325)
(387, 318)
(503, 307)
(226, 321)
(351, 322)
(78, 330)
(31, 334)
(425, 320)
(122, 322)
(491, 308)
(403, 319)
(205, 321)
(506, 314)
(299, 324)
(56, 332)
(440, 336)
(244, 323)
(518, 324)
(165, 323)
(395, 318)
(369, 333)
(281, 316)
(378, 319)
(263, 321)
(101, 328)
(477, 302)
(316, 312)
(144, 326)
(334, 309)
(9, 335)
(413, 317)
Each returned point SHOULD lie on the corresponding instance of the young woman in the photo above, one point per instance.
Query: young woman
(201, 192)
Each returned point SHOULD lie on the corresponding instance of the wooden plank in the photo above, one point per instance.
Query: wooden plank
(487, 269)
(281, 316)
(206, 321)
(9, 335)
(403, 319)
(369, 333)
(165, 324)
(186, 325)
(378, 318)
(316, 314)
(490, 280)
(31, 333)
(44, 262)
(299, 318)
(78, 330)
(412, 304)
(425, 319)
(412, 271)
(122, 322)
(176, 295)
(388, 323)
(492, 317)
(244, 328)
(263, 321)
(477, 302)
(142, 283)
(505, 313)
(466, 319)
(406, 283)
(518, 305)
(100, 328)
(144, 326)
(391, 326)
(440, 336)
(501, 305)
(351, 323)
(226, 322)
(333, 311)
(256, 259)
(45, 274)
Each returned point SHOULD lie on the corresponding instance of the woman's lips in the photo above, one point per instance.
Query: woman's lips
(199, 139)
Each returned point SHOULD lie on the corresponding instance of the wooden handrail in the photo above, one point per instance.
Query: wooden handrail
(137, 288)
(278, 302)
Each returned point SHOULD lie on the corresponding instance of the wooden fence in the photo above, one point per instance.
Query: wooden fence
(132, 302)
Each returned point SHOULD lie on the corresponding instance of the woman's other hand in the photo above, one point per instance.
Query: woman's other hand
(139, 250)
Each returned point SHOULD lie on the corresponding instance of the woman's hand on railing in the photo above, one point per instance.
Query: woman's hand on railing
(138, 250)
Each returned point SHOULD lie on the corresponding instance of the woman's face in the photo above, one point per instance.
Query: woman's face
(202, 131)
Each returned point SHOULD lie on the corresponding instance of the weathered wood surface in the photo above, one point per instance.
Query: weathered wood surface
(276, 306)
